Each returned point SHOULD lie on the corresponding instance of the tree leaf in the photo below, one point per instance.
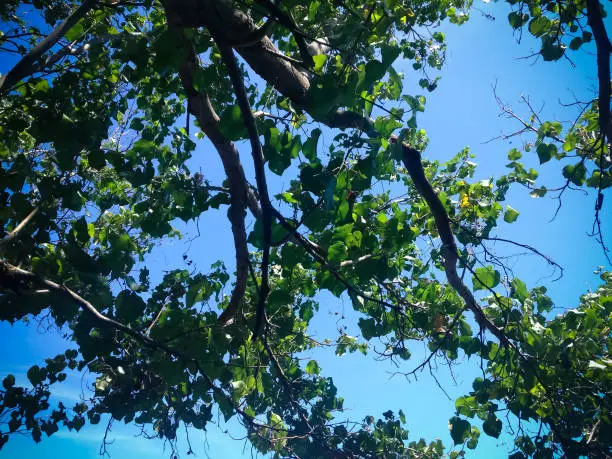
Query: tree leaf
(312, 368)
(337, 252)
(546, 152)
(539, 26)
(459, 429)
(34, 375)
(492, 426)
(510, 215)
(485, 278)
(319, 61)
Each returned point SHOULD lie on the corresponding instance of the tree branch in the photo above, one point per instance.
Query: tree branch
(344, 119)
(227, 55)
(286, 21)
(10, 273)
(321, 258)
(287, 76)
(13, 234)
(532, 249)
(27, 65)
(604, 48)
(200, 106)
(75, 51)
(412, 160)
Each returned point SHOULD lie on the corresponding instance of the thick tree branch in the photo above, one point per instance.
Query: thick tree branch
(345, 119)
(27, 65)
(260, 176)
(283, 73)
(201, 108)
(412, 161)
(286, 21)
(262, 56)
(604, 48)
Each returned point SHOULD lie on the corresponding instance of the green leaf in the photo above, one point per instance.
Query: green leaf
(485, 278)
(101, 385)
(41, 86)
(313, 8)
(518, 290)
(459, 429)
(75, 31)
(368, 328)
(514, 154)
(472, 442)
(517, 20)
(337, 252)
(310, 146)
(232, 124)
(313, 368)
(551, 51)
(96, 159)
(539, 26)
(466, 406)
(538, 192)
(240, 388)
(34, 375)
(570, 142)
(8, 381)
(546, 151)
(319, 61)
(390, 53)
(49, 428)
(14, 424)
(576, 43)
(492, 426)
(129, 306)
(576, 173)
(510, 215)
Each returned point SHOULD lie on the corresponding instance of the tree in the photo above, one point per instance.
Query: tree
(96, 136)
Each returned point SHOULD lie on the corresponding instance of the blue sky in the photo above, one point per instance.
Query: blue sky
(461, 112)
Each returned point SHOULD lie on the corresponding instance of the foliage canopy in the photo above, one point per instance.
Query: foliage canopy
(95, 116)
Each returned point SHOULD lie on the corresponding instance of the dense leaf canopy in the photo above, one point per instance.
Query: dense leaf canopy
(101, 110)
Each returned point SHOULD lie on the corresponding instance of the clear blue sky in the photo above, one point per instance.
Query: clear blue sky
(461, 112)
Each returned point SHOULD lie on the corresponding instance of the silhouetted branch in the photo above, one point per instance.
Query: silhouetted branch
(201, 108)
(13, 234)
(27, 65)
(260, 176)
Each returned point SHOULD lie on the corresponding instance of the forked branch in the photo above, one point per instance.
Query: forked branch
(412, 160)
(201, 108)
(27, 65)
(260, 176)
(13, 274)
